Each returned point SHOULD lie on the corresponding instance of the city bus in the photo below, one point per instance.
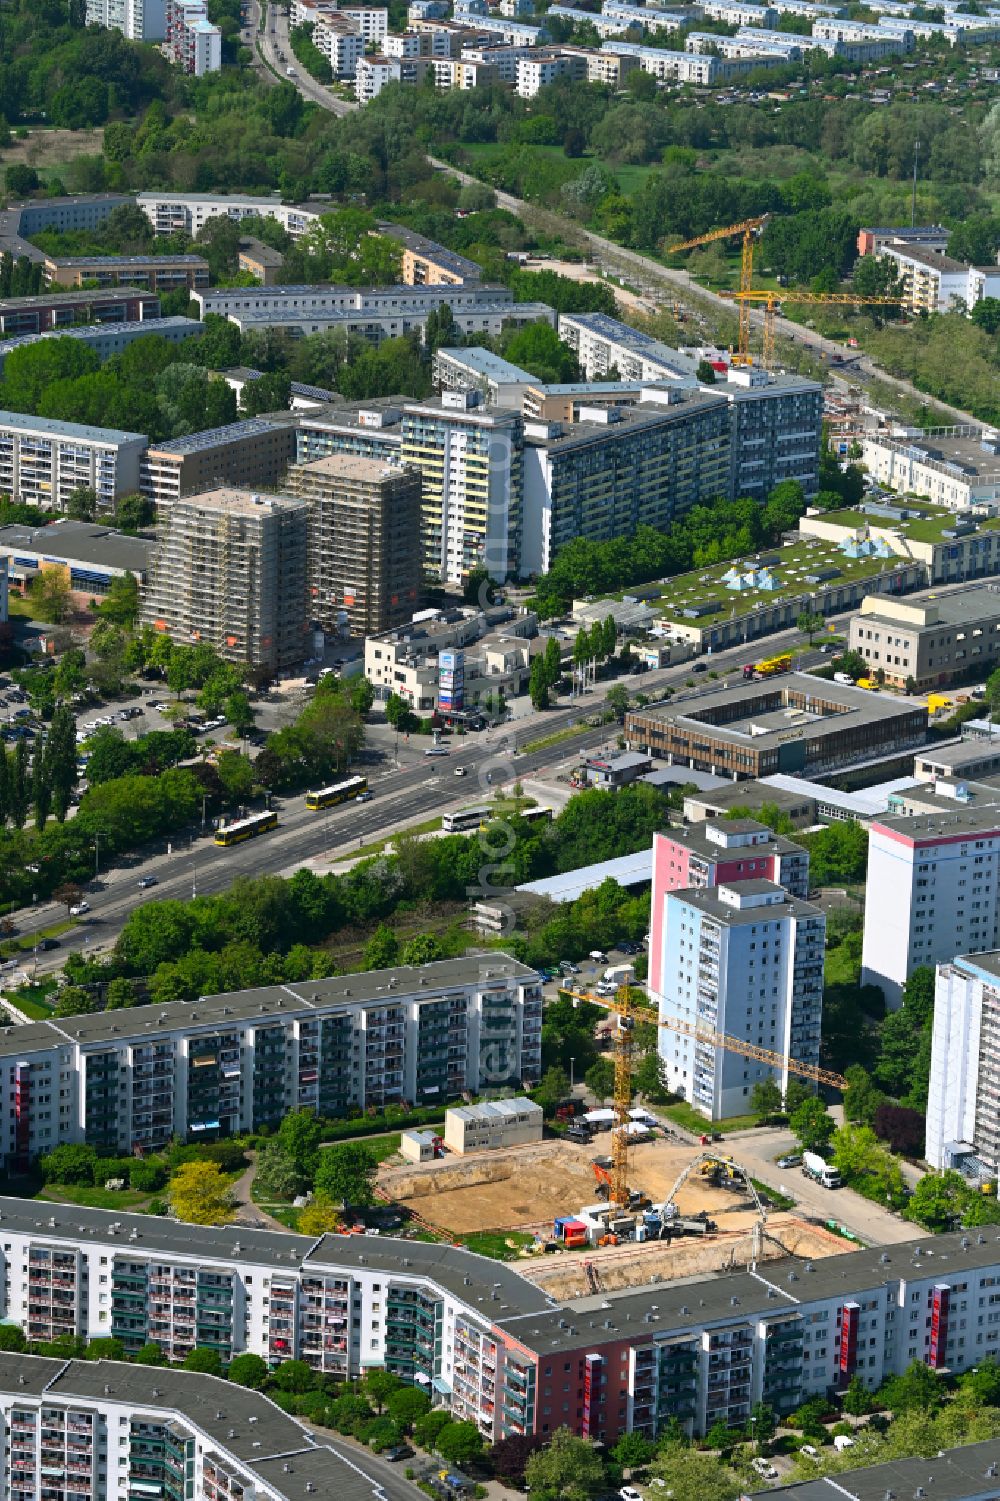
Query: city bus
(339, 792)
(246, 828)
(467, 818)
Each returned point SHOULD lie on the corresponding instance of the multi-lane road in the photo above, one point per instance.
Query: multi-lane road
(189, 864)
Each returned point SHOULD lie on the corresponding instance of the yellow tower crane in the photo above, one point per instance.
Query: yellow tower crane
(750, 230)
(747, 298)
(627, 1013)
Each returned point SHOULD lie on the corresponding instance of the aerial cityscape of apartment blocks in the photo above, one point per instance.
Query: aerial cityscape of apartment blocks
(933, 892)
(132, 1081)
(498, 1351)
(744, 959)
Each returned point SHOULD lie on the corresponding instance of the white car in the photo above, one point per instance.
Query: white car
(764, 1468)
(810, 1451)
(79, 909)
(629, 1493)
(460, 771)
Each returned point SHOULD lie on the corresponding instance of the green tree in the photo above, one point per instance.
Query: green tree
(862, 1098)
(248, 1370)
(299, 1136)
(539, 349)
(632, 1451)
(765, 1099)
(538, 687)
(81, 503)
(983, 1383)
(380, 1386)
(427, 1428)
(916, 1390)
(41, 786)
(205, 1360)
(460, 1443)
(51, 595)
(71, 1162)
(408, 1406)
(294, 1376)
(706, 372)
(200, 1194)
(150, 1354)
(810, 623)
(277, 1173)
(382, 949)
(696, 1477)
(553, 661)
(347, 1173)
(600, 1078)
(567, 1469)
(857, 1399)
(61, 760)
(937, 1201)
(121, 603)
(617, 700)
(812, 1126)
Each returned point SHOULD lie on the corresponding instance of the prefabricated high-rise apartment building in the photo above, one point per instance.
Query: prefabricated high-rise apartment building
(364, 541)
(230, 570)
(130, 1081)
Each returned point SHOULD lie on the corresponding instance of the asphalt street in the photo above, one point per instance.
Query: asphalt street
(190, 863)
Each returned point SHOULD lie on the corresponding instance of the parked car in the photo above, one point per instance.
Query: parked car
(629, 1493)
(810, 1451)
(79, 909)
(765, 1469)
(397, 1452)
(790, 1159)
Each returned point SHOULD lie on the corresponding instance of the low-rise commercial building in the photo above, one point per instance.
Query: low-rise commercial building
(155, 273)
(230, 570)
(43, 461)
(949, 546)
(250, 454)
(61, 310)
(957, 467)
(90, 555)
(930, 643)
(463, 656)
(494, 1124)
(793, 723)
(364, 541)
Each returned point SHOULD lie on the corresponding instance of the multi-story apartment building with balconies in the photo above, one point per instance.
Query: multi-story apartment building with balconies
(746, 959)
(43, 461)
(496, 1350)
(236, 1062)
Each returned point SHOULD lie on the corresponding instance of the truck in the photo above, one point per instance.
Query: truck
(619, 974)
(845, 678)
(819, 1171)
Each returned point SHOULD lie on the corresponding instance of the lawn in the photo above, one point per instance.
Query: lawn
(689, 1119)
(35, 999)
(555, 739)
(93, 1198)
(501, 1245)
(429, 826)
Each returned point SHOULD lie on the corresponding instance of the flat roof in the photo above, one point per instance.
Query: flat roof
(962, 1474)
(491, 1111)
(923, 255)
(966, 606)
(80, 542)
(19, 422)
(490, 366)
(214, 437)
(703, 838)
(632, 339)
(69, 298)
(731, 915)
(626, 420)
(627, 870)
(953, 821)
(144, 1023)
(865, 802)
(236, 502)
(140, 327)
(319, 1471)
(126, 260)
(770, 717)
(352, 466)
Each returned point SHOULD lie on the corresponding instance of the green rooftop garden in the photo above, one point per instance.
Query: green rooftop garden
(928, 524)
(793, 567)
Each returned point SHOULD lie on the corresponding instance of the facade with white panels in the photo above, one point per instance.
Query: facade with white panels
(43, 461)
(130, 1082)
(137, 20)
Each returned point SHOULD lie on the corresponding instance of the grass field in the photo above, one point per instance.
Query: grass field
(93, 1198)
(690, 1119)
(496, 1244)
